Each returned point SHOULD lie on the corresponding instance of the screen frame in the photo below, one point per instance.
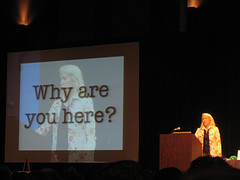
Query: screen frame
(130, 51)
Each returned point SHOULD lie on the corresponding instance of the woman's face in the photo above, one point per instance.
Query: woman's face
(205, 120)
(66, 80)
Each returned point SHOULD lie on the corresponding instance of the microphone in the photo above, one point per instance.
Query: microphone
(176, 129)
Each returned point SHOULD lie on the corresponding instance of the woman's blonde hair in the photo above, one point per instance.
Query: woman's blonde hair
(75, 74)
(211, 123)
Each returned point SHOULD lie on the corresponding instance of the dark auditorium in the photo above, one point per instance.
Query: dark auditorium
(120, 90)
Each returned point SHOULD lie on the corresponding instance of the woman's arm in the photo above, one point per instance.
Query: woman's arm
(218, 142)
(51, 119)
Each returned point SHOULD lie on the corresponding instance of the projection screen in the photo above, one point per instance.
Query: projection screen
(77, 104)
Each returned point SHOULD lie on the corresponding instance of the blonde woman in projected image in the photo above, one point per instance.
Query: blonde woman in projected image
(209, 136)
(73, 136)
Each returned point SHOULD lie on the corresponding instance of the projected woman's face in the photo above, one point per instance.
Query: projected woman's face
(66, 80)
(206, 121)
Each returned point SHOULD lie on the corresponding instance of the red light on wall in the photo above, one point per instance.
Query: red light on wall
(23, 15)
(194, 3)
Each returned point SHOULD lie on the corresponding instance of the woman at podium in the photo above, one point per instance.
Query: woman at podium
(209, 136)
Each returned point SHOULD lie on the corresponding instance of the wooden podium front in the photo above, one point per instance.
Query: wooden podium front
(179, 150)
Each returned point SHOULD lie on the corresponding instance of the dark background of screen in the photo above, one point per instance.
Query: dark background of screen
(182, 73)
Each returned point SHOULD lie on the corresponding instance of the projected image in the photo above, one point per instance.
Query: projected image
(71, 129)
(75, 104)
(72, 105)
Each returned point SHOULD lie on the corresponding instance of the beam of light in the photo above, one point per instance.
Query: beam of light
(194, 3)
(23, 12)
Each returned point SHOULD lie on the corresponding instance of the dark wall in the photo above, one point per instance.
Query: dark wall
(182, 73)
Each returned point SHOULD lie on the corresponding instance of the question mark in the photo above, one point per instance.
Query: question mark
(113, 109)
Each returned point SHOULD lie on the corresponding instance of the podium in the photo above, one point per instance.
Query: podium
(178, 150)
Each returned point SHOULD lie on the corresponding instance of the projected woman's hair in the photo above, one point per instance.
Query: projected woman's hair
(74, 74)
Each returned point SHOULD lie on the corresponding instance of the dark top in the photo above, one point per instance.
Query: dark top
(62, 136)
(206, 147)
